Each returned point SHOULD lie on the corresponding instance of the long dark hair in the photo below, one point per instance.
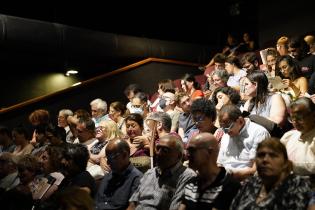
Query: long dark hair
(296, 72)
(262, 92)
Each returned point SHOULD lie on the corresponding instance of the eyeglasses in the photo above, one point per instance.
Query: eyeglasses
(198, 119)
(228, 129)
(113, 156)
(299, 117)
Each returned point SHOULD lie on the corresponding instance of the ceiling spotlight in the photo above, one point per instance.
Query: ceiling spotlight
(71, 72)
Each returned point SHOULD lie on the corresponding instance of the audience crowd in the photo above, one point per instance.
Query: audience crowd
(243, 140)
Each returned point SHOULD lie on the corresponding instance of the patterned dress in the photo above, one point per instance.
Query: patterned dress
(293, 193)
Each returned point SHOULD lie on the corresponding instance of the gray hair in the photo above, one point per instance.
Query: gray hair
(223, 74)
(100, 104)
(162, 117)
(307, 102)
(66, 113)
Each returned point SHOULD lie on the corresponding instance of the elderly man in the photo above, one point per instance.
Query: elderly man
(162, 187)
(98, 111)
(239, 143)
(168, 104)
(213, 187)
(300, 143)
(117, 186)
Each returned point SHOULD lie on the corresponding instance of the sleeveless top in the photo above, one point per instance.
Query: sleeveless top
(263, 109)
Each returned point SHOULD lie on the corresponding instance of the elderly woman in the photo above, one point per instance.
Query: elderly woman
(106, 131)
(275, 187)
(218, 78)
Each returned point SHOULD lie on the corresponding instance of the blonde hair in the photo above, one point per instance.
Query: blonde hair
(283, 40)
(111, 129)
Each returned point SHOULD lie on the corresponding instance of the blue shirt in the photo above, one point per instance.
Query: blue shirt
(116, 189)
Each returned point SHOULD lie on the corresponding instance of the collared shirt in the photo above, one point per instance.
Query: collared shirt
(115, 190)
(162, 190)
(219, 194)
(301, 150)
(239, 151)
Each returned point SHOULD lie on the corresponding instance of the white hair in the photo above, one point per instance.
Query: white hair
(100, 104)
(66, 113)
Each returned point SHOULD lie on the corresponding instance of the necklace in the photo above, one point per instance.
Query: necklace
(262, 195)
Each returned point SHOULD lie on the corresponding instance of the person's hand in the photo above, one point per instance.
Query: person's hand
(141, 141)
(104, 165)
(287, 82)
(312, 97)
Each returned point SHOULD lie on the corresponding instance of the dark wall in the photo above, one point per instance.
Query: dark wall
(282, 17)
(17, 87)
(109, 89)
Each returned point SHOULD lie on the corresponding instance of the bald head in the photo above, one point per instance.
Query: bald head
(205, 140)
(117, 153)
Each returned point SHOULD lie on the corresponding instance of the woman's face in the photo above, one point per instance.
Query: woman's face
(249, 87)
(271, 62)
(217, 81)
(285, 68)
(133, 129)
(229, 67)
(101, 132)
(270, 163)
(114, 114)
(223, 99)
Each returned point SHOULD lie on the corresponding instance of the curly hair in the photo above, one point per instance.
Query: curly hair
(204, 106)
(230, 92)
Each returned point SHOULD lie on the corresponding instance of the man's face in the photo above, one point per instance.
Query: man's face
(301, 118)
(83, 133)
(219, 66)
(203, 122)
(166, 153)
(230, 127)
(185, 104)
(197, 155)
(295, 52)
(96, 113)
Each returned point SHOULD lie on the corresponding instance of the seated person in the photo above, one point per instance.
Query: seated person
(275, 187)
(213, 188)
(291, 76)
(162, 187)
(117, 186)
(8, 172)
(75, 159)
(300, 143)
(238, 144)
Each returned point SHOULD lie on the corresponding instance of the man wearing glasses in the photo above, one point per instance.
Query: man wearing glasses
(300, 143)
(213, 187)
(239, 142)
(118, 185)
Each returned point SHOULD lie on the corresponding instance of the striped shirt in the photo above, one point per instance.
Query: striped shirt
(219, 194)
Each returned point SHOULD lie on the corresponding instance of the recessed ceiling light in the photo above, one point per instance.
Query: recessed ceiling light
(70, 72)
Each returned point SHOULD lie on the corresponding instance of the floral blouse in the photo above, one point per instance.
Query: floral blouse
(293, 193)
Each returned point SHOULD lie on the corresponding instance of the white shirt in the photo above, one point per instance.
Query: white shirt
(301, 150)
(239, 151)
